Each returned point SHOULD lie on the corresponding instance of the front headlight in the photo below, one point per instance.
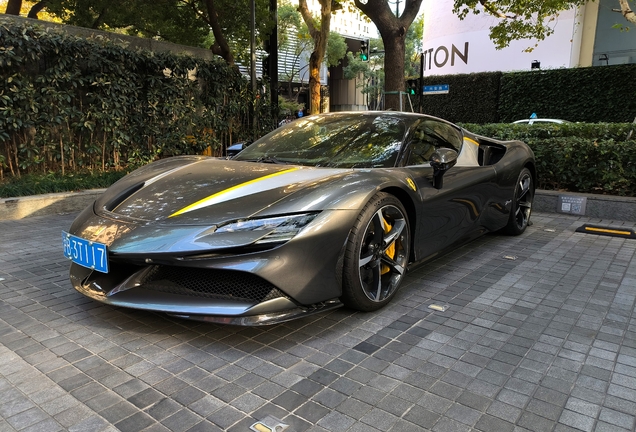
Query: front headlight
(282, 228)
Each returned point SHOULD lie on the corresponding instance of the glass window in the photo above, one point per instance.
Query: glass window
(339, 141)
(428, 135)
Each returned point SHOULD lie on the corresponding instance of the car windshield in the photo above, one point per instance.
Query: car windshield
(339, 141)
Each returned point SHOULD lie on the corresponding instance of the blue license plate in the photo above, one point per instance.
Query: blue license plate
(86, 253)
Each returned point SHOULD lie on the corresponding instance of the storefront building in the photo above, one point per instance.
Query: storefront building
(585, 36)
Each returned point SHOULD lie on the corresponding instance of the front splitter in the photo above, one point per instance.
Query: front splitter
(264, 319)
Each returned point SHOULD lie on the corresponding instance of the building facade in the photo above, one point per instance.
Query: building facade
(339, 94)
(584, 36)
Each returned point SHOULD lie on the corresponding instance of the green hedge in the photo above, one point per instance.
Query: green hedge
(472, 98)
(588, 158)
(592, 94)
(35, 184)
(70, 104)
(524, 132)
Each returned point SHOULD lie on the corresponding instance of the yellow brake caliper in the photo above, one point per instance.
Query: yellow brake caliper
(390, 251)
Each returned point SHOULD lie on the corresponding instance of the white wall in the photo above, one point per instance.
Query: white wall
(453, 46)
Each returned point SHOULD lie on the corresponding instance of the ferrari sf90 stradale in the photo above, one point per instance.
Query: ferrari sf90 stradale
(326, 211)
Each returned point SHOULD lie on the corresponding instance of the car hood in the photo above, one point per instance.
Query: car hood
(205, 190)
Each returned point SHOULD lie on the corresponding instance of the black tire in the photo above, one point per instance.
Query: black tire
(521, 207)
(376, 255)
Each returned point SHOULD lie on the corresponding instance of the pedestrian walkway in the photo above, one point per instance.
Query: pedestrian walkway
(540, 334)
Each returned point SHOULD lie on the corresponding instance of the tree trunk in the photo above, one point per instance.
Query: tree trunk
(394, 69)
(13, 7)
(37, 8)
(99, 20)
(393, 32)
(314, 83)
(220, 47)
(320, 36)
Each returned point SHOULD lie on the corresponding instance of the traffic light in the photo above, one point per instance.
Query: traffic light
(411, 86)
(364, 50)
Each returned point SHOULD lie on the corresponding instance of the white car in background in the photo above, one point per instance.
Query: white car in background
(540, 120)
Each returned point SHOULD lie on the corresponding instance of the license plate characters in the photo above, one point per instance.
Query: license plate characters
(86, 253)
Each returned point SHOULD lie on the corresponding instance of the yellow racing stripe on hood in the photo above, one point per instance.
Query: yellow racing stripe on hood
(204, 201)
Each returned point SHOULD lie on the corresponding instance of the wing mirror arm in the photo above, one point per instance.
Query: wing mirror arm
(442, 160)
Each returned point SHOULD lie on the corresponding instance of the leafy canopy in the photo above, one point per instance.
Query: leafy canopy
(520, 19)
(185, 22)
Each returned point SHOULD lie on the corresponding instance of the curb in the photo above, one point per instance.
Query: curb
(597, 206)
(609, 207)
(46, 204)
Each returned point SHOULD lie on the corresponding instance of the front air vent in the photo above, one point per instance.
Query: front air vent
(210, 283)
(112, 204)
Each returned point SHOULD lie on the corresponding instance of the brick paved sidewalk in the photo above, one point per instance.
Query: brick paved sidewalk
(544, 342)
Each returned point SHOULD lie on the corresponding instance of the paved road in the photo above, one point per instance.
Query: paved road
(543, 342)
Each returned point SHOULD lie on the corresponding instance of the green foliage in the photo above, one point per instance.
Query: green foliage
(413, 47)
(69, 104)
(547, 131)
(289, 21)
(588, 158)
(592, 94)
(170, 20)
(518, 19)
(369, 74)
(288, 107)
(472, 97)
(578, 95)
(184, 22)
(336, 49)
(34, 184)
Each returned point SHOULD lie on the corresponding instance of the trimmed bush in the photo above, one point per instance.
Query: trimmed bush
(472, 98)
(588, 158)
(69, 104)
(592, 94)
(35, 184)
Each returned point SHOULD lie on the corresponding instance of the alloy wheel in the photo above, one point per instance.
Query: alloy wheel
(383, 253)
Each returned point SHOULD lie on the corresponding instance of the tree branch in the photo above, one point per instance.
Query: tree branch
(37, 8)
(626, 11)
(493, 10)
(307, 17)
(197, 12)
(219, 37)
(99, 20)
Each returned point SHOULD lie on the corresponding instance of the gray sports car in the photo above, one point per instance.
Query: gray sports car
(326, 211)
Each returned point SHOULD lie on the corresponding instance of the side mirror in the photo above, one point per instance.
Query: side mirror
(236, 148)
(442, 160)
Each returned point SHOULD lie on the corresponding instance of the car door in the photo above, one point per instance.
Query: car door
(448, 216)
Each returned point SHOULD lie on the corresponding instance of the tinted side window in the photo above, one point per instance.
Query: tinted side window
(429, 135)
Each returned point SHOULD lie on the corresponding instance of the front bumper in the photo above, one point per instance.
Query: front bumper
(298, 278)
